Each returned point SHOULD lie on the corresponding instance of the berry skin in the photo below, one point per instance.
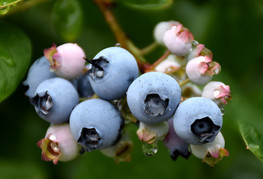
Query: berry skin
(218, 92)
(67, 60)
(96, 124)
(54, 100)
(38, 72)
(178, 40)
(59, 144)
(112, 71)
(197, 120)
(201, 69)
(153, 97)
(82, 84)
(161, 28)
(212, 152)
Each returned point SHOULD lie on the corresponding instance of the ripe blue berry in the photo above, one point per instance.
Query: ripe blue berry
(54, 100)
(112, 71)
(153, 97)
(197, 120)
(82, 84)
(38, 72)
(96, 124)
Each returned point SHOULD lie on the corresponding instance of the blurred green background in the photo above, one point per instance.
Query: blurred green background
(232, 29)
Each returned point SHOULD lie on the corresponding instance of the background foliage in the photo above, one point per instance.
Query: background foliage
(232, 29)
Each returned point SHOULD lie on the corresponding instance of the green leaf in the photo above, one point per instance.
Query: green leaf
(5, 5)
(253, 138)
(147, 4)
(67, 18)
(15, 53)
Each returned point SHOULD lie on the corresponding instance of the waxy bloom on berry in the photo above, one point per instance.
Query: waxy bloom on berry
(58, 144)
(178, 40)
(201, 69)
(66, 60)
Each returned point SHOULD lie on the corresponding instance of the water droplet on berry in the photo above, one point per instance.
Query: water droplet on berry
(222, 111)
(117, 45)
(99, 73)
(195, 43)
(55, 147)
(149, 149)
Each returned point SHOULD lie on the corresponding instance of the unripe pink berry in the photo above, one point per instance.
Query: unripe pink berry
(120, 152)
(171, 64)
(212, 152)
(201, 69)
(59, 144)
(190, 90)
(178, 40)
(152, 133)
(67, 60)
(218, 92)
(161, 28)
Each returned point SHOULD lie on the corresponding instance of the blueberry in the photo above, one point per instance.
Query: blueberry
(38, 72)
(82, 85)
(153, 97)
(54, 100)
(197, 120)
(96, 124)
(112, 71)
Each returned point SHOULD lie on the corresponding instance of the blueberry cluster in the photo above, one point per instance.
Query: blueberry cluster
(89, 103)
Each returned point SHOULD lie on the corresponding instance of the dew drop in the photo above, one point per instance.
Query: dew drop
(55, 147)
(222, 111)
(117, 45)
(99, 73)
(195, 43)
(149, 149)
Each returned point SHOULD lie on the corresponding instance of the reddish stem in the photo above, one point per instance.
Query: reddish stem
(149, 68)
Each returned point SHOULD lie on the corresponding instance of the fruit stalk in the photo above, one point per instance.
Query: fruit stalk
(105, 7)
